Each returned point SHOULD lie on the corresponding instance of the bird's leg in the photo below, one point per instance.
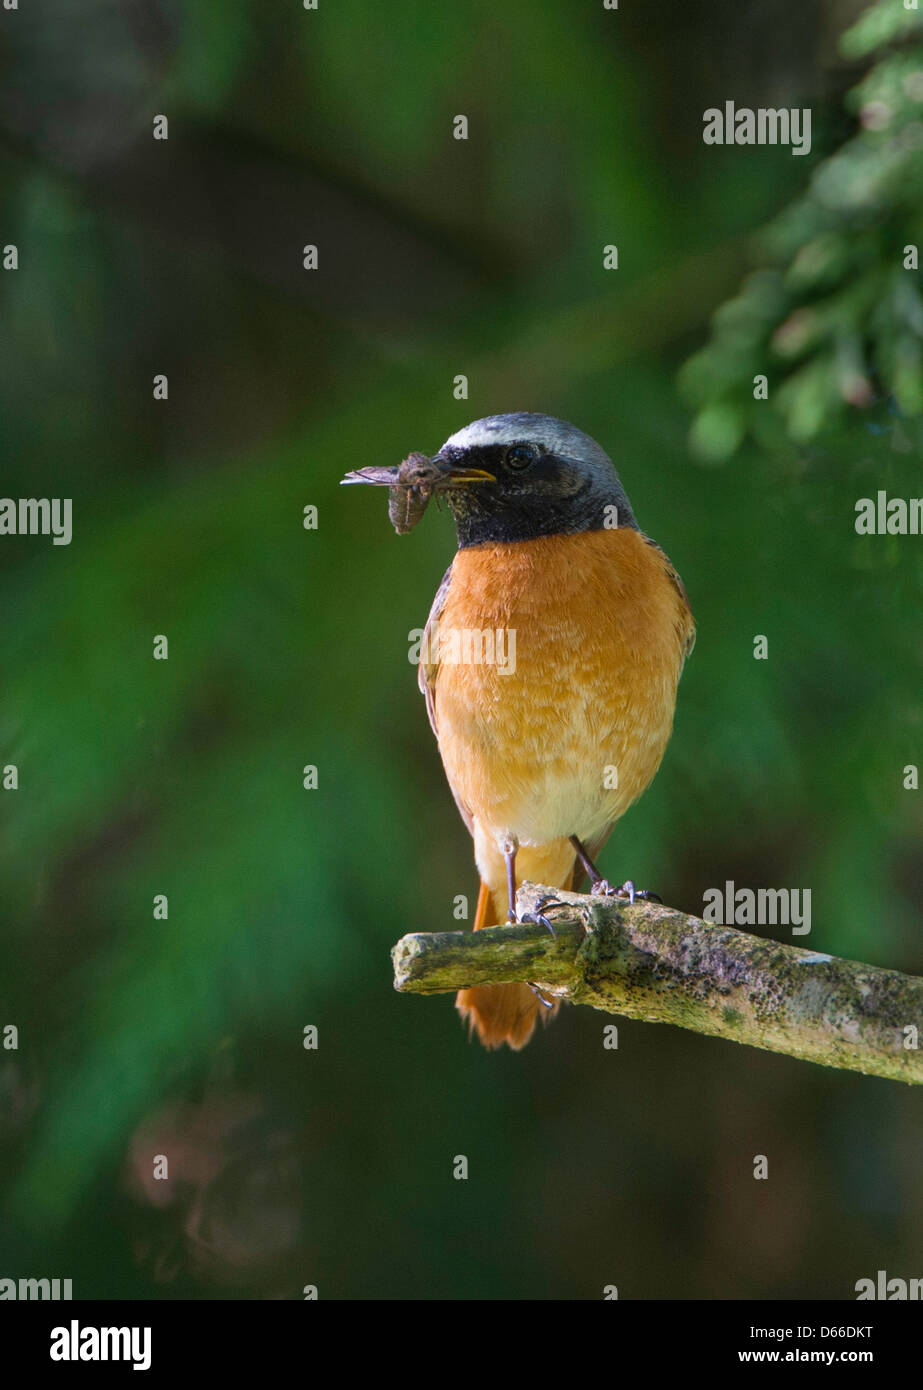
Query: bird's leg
(509, 854)
(537, 917)
(589, 868)
(600, 885)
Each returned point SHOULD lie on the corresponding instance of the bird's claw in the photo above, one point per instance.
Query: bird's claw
(542, 998)
(602, 888)
(538, 918)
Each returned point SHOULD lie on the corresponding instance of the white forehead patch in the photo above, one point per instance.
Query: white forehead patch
(508, 429)
(480, 433)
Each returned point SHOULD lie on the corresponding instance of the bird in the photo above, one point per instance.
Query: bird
(545, 753)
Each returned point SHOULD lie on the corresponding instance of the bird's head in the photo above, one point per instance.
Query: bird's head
(520, 476)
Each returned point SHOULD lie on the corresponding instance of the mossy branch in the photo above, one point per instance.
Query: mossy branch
(654, 963)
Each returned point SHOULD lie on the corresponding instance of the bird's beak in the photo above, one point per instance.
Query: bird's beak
(454, 474)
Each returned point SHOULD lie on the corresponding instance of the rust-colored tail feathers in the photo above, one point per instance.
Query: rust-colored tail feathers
(501, 1013)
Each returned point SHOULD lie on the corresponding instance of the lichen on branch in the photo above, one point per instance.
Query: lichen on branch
(651, 962)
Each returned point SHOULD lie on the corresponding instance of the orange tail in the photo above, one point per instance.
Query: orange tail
(500, 1013)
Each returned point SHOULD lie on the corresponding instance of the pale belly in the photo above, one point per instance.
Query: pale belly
(560, 748)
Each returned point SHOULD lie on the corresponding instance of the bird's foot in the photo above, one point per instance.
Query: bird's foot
(538, 918)
(541, 996)
(603, 888)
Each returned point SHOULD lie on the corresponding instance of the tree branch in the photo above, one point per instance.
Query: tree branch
(654, 963)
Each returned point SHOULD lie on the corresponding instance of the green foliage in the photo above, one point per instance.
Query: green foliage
(835, 319)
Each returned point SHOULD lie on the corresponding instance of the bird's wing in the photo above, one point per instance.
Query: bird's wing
(429, 670)
(686, 621)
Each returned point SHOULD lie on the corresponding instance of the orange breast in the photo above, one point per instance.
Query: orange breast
(565, 726)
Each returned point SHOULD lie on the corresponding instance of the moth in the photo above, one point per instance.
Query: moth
(410, 486)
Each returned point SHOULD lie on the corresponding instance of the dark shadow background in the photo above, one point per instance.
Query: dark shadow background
(288, 647)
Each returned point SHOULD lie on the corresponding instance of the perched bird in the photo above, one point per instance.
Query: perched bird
(547, 747)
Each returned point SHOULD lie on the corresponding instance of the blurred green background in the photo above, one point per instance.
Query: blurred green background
(289, 647)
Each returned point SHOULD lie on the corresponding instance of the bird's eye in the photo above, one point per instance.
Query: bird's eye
(520, 456)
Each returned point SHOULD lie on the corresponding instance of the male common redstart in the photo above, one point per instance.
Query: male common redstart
(544, 753)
